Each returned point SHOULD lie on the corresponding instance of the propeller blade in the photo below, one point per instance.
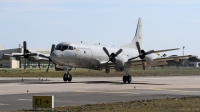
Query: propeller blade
(44, 56)
(138, 47)
(118, 52)
(48, 67)
(132, 58)
(106, 51)
(24, 63)
(52, 48)
(149, 52)
(143, 65)
(25, 46)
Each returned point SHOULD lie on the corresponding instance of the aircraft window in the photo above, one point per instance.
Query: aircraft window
(71, 48)
(64, 48)
(58, 48)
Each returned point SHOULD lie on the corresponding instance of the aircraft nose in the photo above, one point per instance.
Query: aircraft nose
(55, 56)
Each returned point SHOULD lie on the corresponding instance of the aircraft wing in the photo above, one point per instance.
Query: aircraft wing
(13, 55)
(139, 64)
(19, 54)
(173, 58)
(158, 51)
(109, 65)
(134, 62)
(106, 64)
(42, 59)
(156, 62)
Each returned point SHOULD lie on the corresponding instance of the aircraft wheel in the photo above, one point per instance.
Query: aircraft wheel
(69, 78)
(65, 77)
(124, 78)
(129, 79)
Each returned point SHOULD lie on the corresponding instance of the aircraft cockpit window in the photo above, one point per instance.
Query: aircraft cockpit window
(58, 47)
(70, 48)
(64, 47)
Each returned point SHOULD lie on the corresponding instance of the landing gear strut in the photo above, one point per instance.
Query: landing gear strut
(127, 78)
(67, 77)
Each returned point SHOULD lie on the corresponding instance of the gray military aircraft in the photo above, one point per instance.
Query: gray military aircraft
(68, 55)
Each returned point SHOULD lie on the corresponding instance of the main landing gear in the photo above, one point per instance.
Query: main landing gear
(67, 77)
(127, 78)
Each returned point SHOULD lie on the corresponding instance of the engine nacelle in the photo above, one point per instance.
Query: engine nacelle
(149, 58)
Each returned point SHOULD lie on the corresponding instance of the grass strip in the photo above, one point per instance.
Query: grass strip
(95, 73)
(190, 104)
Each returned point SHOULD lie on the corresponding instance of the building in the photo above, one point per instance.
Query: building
(20, 62)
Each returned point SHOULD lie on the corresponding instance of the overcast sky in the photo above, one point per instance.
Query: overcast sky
(166, 23)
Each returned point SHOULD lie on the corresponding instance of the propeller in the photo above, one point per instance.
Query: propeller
(41, 55)
(25, 46)
(141, 55)
(27, 53)
(112, 55)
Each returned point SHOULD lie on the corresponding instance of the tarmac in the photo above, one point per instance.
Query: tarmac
(17, 93)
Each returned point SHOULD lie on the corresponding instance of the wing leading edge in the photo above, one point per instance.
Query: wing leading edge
(157, 61)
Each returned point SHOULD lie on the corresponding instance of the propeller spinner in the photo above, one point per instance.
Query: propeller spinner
(112, 55)
(141, 55)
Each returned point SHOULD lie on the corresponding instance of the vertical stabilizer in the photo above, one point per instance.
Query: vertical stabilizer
(138, 37)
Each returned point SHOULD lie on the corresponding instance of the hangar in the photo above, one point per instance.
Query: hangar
(13, 62)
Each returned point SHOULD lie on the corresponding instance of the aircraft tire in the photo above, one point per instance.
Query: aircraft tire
(129, 79)
(65, 77)
(69, 78)
(124, 78)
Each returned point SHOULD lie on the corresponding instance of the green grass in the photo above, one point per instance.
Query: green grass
(184, 104)
(95, 73)
(162, 105)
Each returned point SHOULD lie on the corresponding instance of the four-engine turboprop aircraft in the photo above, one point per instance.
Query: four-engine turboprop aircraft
(69, 55)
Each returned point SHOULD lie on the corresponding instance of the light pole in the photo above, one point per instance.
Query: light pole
(183, 50)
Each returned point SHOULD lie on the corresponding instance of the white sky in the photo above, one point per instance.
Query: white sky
(166, 23)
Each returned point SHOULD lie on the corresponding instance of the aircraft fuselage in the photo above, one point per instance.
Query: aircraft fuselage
(79, 55)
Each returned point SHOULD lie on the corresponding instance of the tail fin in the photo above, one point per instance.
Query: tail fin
(138, 37)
